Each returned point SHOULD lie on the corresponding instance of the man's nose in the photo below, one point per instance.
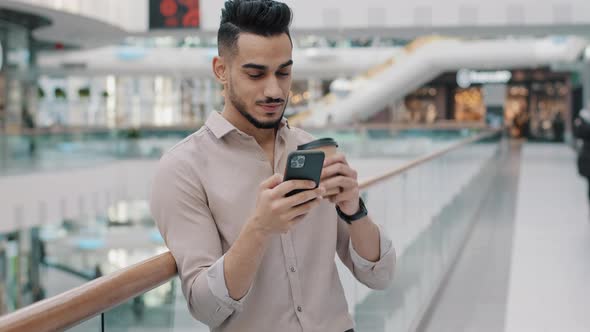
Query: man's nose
(272, 89)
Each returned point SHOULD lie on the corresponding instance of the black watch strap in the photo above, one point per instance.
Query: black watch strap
(362, 212)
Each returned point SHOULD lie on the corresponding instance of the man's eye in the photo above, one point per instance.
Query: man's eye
(284, 74)
(255, 75)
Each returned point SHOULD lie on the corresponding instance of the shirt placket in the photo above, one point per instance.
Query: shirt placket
(281, 151)
(294, 280)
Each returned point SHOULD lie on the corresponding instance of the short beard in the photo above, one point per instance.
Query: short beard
(241, 107)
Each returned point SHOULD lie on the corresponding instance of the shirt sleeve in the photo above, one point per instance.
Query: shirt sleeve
(375, 275)
(179, 206)
(216, 280)
(385, 247)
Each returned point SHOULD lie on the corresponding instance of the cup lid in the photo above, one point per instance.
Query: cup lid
(318, 143)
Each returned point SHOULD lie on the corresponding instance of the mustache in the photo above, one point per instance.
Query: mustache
(271, 101)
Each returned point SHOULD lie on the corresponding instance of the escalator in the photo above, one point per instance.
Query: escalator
(425, 59)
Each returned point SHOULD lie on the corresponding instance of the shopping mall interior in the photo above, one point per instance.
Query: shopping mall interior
(459, 117)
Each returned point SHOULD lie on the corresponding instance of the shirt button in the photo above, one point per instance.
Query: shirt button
(299, 309)
(292, 269)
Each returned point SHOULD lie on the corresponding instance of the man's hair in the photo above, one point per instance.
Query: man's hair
(261, 17)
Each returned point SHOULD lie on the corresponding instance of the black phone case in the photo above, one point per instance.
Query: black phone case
(310, 170)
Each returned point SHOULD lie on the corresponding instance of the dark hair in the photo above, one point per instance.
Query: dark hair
(260, 17)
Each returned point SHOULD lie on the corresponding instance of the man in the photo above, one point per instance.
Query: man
(582, 132)
(249, 258)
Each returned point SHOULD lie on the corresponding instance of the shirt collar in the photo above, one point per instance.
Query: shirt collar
(220, 127)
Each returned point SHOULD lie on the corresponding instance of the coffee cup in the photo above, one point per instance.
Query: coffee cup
(329, 147)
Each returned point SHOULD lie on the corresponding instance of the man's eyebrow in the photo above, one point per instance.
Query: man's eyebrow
(255, 66)
(286, 64)
(264, 68)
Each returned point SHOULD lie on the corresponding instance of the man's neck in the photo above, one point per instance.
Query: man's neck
(264, 137)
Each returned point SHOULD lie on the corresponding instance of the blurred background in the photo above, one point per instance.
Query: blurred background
(458, 115)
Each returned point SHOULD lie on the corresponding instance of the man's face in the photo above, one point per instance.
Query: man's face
(259, 78)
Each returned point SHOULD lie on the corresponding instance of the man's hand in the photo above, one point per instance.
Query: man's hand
(276, 213)
(338, 174)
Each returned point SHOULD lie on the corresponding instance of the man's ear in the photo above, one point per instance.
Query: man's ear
(220, 69)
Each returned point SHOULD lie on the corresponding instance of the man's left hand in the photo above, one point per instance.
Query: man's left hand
(338, 174)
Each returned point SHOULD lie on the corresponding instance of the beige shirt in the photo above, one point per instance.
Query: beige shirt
(205, 190)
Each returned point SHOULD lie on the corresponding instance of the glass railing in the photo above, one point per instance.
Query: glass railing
(428, 209)
(46, 152)
(427, 206)
(41, 152)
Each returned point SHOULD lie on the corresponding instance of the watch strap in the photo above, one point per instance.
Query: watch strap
(361, 213)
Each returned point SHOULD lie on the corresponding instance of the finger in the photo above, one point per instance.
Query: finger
(340, 181)
(288, 186)
(303, 197)
(271, 182)
(337, 158)
(297, 220)
(302, 209)
(338, 169)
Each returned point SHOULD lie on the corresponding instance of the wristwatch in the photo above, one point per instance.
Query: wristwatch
(349, 219)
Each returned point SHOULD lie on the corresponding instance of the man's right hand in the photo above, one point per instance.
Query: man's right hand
(276, 213)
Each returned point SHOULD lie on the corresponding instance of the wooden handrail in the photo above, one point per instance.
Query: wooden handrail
(380, 178)
(79, 304)
(439, 125)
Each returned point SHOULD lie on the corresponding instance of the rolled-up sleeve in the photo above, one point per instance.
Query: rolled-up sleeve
(375, 275)
(179, 206)
(216, 280)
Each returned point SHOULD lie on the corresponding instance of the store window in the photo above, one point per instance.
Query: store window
(516, 108)
(549, 102)
(425, 105)
(469, 105)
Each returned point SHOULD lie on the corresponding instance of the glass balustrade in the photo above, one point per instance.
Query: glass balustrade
(426, 209)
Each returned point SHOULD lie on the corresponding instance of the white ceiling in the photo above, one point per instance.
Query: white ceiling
(69, 29)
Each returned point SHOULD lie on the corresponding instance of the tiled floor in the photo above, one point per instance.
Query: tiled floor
(528, 269)
(550, 273)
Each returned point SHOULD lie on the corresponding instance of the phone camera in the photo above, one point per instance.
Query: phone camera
(298, 162)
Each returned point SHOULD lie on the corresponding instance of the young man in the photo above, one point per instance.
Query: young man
(249, 258)
(582, 132)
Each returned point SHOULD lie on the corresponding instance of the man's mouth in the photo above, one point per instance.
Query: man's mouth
(272, 107)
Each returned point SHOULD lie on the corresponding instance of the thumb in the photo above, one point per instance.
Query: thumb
(272, 181)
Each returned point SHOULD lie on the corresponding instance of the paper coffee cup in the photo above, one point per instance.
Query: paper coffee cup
(329, 147)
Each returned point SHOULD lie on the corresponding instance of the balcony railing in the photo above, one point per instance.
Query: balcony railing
(426, 207)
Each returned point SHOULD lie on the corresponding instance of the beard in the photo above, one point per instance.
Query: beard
(240, 105)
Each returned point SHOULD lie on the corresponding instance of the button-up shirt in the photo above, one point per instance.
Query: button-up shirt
(204, 192)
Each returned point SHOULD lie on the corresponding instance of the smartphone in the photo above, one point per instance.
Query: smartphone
(304, 165)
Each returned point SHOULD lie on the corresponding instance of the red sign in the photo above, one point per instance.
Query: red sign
(174, 14)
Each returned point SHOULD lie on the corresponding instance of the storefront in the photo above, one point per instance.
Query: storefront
(537, 102)
(425, 105)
